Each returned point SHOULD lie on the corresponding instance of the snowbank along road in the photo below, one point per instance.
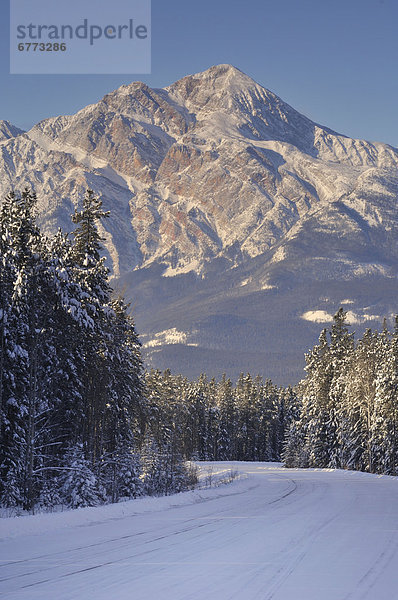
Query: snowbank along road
(271, 534)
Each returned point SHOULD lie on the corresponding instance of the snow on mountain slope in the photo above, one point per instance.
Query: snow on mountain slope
(275, 534)
(212, 161)
(8, 130)
(215, 178)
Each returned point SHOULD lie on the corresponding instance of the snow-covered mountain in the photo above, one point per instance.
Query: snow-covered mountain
(7, 130)
(237, 224)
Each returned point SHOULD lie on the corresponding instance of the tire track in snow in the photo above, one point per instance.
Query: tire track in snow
(302, 534)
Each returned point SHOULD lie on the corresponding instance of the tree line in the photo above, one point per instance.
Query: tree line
(347, 415)
(216, 420)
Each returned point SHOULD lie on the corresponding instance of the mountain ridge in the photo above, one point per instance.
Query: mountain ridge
(216, 179)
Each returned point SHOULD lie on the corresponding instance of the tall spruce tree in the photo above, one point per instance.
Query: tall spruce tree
(341, 349)
(384, 429)
(92, 276)
(358, 389)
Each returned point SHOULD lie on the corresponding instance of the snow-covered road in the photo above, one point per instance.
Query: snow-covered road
(273, 534)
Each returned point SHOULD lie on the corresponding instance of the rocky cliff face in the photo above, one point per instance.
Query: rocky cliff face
(227, 208)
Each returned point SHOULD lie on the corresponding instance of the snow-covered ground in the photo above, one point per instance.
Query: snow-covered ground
(271, 534)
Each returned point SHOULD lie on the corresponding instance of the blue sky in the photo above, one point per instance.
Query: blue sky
(335, 61)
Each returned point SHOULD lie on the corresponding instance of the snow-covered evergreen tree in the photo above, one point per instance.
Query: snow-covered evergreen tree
(358, 387)
(226, 433)
(384, 427)
(80, 485)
